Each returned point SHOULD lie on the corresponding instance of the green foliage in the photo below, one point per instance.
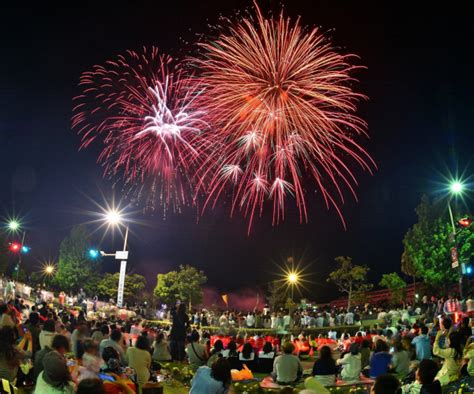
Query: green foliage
(36, 278)
(349, 278)
(184, 284)
(276, 295)
(396, 285)
(75, 270)
(133, 289)
(290, 305)
(427, 245)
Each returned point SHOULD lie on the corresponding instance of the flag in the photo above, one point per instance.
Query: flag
(225, 298)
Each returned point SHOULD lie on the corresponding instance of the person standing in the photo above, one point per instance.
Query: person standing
(178, 332)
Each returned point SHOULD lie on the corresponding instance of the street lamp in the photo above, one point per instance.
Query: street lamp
(293, 280)
(13, 225)
(456, 188)
(114, 218)
(49, 269)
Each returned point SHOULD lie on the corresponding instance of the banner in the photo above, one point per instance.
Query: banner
(225, 298)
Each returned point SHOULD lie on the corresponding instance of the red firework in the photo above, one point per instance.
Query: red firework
(140, 107)
(282, 108)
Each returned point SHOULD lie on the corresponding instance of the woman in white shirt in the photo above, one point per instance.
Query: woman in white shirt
(452, 354)
(351, 364)
(47, 334)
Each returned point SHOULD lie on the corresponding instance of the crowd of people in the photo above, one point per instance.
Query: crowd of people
(59, 349)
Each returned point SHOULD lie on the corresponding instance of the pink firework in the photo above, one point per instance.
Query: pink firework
(141, 108)
(282, 108)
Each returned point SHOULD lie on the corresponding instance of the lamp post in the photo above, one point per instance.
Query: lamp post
(456, 188)
(292, 280)
(14, 226)
(115, 219)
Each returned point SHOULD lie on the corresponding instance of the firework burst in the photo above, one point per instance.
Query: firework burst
(282, 108)
(141, 108)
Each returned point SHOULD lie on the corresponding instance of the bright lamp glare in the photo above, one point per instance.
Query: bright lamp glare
(292, 278)
(13, 225)
(456, 187)
(49, 269)
(93, 253)
(113, 217)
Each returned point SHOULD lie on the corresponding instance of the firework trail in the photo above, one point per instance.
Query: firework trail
(141, 108)
(282, 110)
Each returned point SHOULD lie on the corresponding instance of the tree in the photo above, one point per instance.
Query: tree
(349, 278)
(132, 291)
(290, 305)
(395, 285)
(276, 295)
(184, 284)
(409, 268)
(75, 270)
(427, 245)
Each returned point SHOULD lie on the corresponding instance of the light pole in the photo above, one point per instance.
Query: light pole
(115, 219)
(292, 280)
(14, 226)
(456, 188)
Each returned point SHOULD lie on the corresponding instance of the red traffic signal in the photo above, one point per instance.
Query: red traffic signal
(15, 247)
(465, 222)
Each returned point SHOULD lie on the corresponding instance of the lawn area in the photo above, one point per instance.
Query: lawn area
(176, 386)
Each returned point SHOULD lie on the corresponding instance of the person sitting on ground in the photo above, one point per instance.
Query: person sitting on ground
(365, 354)
(247, 355)
(469, 357)
(212, 380)
(351, 364)
(161, 348)
(77, 339)
(287, 368)
(91, 386)
(386, 384)
(12, 356)
(47, 334)
(400, 360)
(381, 359)
(6, 316)
(101, 334)
(115, 342)
(55, 377)
(231, 350)
(422, 344)
(324, 368)
(216, 352)
(91, 362)
(197, 352)
(452, 354)
(139, 358)
(266, 356)
(35, 330)
(60, 344)
(424, 379)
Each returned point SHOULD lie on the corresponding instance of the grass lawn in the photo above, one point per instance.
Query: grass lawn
(175, 385)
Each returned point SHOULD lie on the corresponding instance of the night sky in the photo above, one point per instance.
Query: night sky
(419, 79)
